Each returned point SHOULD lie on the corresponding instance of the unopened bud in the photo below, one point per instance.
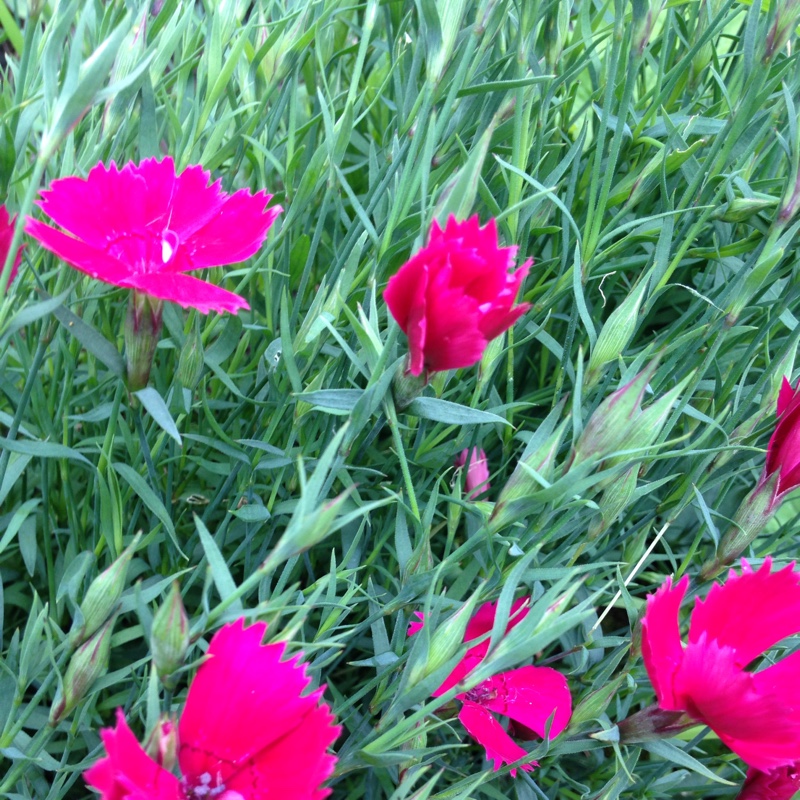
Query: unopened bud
(407, 387)
(751, 518)
(162, 744)
(643, 20)
(787, 17)
(142, 332)
(653, 723)
(169, 636)
(616, 334)
(88, 663)
(556, 27)
(595, 703)
(740, 209)
(101, 599)
(190, 363)
(616, 497)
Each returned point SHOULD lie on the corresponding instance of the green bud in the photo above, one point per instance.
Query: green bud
(750, 520)
(595, 703)
(190, 363)
(88, 663)
(162, 743)
(653, 723)
(142, 332)
(787, 17)
(169, 636)
(740, 209)
(612, 423)
(407, 387)
(616, 334)
(643, 20)
(556, 27)
(616, 498)
(101, 598)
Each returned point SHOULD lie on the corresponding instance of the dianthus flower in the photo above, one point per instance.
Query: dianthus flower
(780, 784)
(529, 696)
(755, 713)
(6, 237)
(455, 295)
(247, 732)
(143, 227)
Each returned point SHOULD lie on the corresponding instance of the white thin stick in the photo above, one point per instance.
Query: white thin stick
(631, 576)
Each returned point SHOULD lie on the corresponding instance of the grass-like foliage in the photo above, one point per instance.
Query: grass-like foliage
(645, 157)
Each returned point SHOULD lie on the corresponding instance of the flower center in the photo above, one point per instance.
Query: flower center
(204, 790)
(482, 693)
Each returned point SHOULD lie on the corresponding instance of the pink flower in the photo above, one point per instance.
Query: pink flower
(455, 295)
(780, 784)
(247, 732)
(529, 695)
(756, 714)
(477, 471)
(143, 227)
(783, 450)
(6, 237)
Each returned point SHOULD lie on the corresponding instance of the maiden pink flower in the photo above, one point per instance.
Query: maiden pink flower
(144, 227)
(529, 696)
(783, 450)
(780, 784)
(6, 237)
(477, 471)
(756, 714)
(455, 295)
(247, 732)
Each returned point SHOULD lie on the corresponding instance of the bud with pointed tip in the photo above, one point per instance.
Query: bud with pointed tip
(654, 723)
(162, 743)
(169, 636)
(104, 593)
(190, 363)
(88, 663)
(142, 332)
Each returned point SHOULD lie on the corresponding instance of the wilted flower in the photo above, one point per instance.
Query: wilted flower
(477, 471)
(455, 295)
(6, 237)
(143, 227)
(529, 696)
(247, 731)
(756, 714)
(779, 784)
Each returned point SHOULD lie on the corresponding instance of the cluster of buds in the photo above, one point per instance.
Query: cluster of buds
(780, 475)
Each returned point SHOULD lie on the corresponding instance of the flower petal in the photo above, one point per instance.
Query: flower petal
(750, 612)
(531, 695)
(127, 772)
(661, 640)
(779, 784)
(786, 395)
(500, 747)
(247, 723)
(186, 291)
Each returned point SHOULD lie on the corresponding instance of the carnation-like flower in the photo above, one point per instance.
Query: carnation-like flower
(247, 732)
(528, 696)
(144, 227)
(6, 237)
(755, 713)
(780, 784)
(783, 450)
(477, 471)
(455, 295)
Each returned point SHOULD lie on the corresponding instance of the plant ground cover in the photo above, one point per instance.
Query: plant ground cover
(646, 158)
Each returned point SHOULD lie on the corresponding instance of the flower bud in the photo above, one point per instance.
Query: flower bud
(595, 703)
(751, 518)
(740, 209)
(556, 27)
(169, 636)
(162, 743)
(142, 332)
(653, 723)
(643, 20)
(616, 334)
(616, 497)
(787, 17)
(101, 598)
(190, 363)
(88, 663)
(477, 471)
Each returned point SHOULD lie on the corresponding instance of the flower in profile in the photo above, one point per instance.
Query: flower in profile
(455, 295)
(477, 471)
(779, 784)
(6, 238)
(144, 227)
(755, 713)
(247, 732)
(783, 450)
(528, 696)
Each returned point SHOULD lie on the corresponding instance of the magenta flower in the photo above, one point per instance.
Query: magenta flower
(780, 784)
(455, 295)
(247, 732)
(144, 227)
(756, 714)
(783, 450)
(477, 471)
(528, 696)
(6, 237)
